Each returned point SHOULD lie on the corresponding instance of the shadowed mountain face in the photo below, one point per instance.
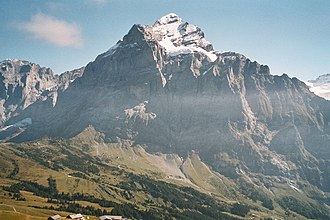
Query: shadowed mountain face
(22, 84)
(165, 88)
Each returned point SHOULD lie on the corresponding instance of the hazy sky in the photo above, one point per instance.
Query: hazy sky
(291, 36)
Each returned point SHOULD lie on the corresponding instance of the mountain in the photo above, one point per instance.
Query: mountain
(165, 89)
(24, 83)
(321, 86)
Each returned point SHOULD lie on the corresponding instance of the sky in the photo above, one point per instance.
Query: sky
(290, 36)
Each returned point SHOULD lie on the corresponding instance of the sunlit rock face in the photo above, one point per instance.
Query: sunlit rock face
(165, 87)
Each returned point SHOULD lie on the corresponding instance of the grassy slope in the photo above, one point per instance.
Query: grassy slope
(35, 162)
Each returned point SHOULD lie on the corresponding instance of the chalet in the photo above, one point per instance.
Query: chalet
(76, 217)
(54, 217)
(111, 217)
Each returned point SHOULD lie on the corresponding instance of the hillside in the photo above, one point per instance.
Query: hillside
(126, 180)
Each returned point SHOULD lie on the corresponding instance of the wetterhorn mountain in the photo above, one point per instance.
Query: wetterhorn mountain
(166, 88)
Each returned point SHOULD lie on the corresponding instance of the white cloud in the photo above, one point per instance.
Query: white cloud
(53, 30)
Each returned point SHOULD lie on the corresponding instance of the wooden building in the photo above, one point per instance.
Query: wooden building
(111, 217)
(76, 217)
(54, 217)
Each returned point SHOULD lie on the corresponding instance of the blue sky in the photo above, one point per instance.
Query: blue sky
(289, 36)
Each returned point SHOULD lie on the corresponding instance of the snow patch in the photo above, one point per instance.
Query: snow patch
(178, 37)
(320, 88)
(169, 18)
(321, 79)
(164, 81)
(21, 124)
(4, 68)
(139, 111)
(203, 74)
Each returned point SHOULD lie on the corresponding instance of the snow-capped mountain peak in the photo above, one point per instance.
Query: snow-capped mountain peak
(172, 33)
(168, 19)
(180, 37)
(321, 79)
(320, 86)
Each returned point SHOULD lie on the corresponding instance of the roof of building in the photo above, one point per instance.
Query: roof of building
(75, 216)
(110, 217)
(55, 217)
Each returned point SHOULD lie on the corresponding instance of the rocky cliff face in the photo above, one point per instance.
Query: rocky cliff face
(165, 87)
(23, 83)
(66, 78)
